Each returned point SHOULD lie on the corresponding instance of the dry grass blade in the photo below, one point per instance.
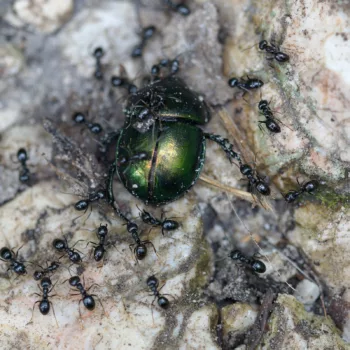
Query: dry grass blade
(238, 193)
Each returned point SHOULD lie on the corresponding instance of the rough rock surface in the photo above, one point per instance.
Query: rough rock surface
(46, 69)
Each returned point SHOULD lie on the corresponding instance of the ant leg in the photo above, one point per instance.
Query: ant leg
(226, 146)
(260, 127)
(99, 300)
(149, 242)
(80, 240)
(31, 319)
(54, 314)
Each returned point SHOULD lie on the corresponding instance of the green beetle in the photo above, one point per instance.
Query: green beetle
(160, 150)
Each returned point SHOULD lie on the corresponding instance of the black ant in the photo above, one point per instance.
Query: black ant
(38, 275)
(146, 34)
(79, 118)
(270, 121)
(98, 54)
(62, 246)
(255, 182)
(9, 256)
(172, 65)
(44, 304)
(100, 250)
(152, 283)
(87, 299)
(122, 82)
(256, 265)
(246, 85)
(308, 187)
(140, 250)
(166, 225)
(83, 204)
(24, 175)
(181, 8)
(274, 50)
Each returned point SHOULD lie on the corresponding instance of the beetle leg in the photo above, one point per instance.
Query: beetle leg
(225, 145)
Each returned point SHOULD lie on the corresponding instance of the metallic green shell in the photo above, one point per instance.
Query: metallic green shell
(176, 157)
(168, 98)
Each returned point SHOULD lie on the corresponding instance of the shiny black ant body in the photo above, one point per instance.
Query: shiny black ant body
(140, 250)
(79, 118)
(87, 299)
(173, 67)
(166, 224)
(62, 246)
(181, 8)
(146, 34)
(152, 283)
(245, 84)
(122, 82)
(256, 265)
(274, 50)
(44, 304)
(22, 157)
(98, 54)
(255, 182)
(270, 121)
(100, 250)
(38, 275)
(9, 256)
(94, 196)
(308, 187)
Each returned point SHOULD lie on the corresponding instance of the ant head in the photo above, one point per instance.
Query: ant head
(182, 9)
(163, 302)
(101, 194)
(98, 52)
(59, 244)
(246, 169)
(79, 117)
(174, 66)
(148, 32)
(141, 251)
(235, 255)
(81, 205)
(152, 282)
(95, 128)
(262, 44)
(310, 186)
(37, 275)
(258, 266)
(6, 253)
(137, 51)
(102, 230)
(73, 281)
(22, 155)
(291, 196)
(155, 70)
(46, 282)
(263, 104)
(117, 81)
(233, 82)
(263, 188)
